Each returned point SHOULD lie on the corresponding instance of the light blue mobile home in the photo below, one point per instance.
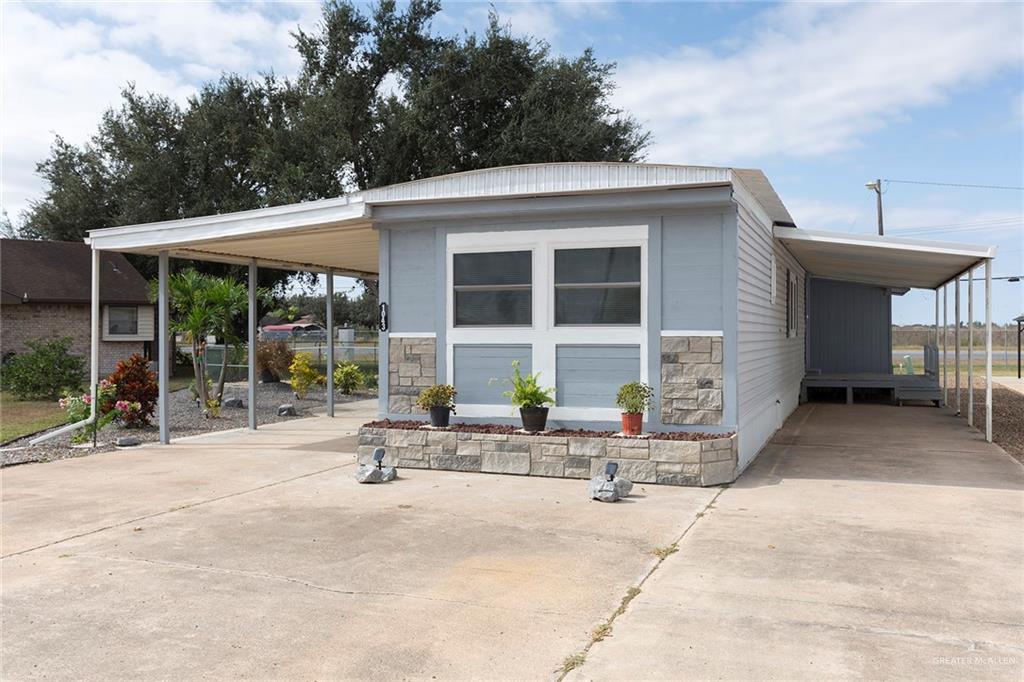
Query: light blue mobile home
(595, 275)
(694, 280)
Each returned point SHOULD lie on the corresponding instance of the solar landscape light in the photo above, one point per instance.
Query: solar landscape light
(368, 473)
(610, 469)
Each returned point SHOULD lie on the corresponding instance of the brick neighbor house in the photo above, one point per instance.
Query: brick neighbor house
(45, 294)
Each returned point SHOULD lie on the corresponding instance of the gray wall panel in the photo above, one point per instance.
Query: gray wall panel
(413, 280)
(691, 272)
(474, 365)
(590, 376)
(848, 327)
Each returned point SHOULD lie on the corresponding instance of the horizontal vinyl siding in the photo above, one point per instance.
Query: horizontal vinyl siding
(590, 376)
(770, 366)
(475, 365)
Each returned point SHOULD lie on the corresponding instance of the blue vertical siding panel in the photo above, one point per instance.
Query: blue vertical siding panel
(590, 376)
(848, 327)
(691, 262)
(414, 279)
(475, 365)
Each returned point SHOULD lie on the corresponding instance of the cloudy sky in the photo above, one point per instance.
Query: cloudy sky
(822, 97)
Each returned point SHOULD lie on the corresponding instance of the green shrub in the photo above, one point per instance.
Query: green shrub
(526, 390)
(438, 395)
(303, 375)
(634, 397)
(348, 377)
(45, 371)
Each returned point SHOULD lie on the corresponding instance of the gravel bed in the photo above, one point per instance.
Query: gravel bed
(1007, 414)
(186, 420)
(508, 429)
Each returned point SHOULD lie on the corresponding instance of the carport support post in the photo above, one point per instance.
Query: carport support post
(956, 340)
(164, 360)
(251, 334)
(330, 342)
(970, 346)
(94, 339)
(988, 349)
(945, 333)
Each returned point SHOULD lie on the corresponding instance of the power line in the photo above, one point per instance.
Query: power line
(956, 184)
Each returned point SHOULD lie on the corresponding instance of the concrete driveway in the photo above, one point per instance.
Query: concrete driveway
(257, 555)
(866, 541)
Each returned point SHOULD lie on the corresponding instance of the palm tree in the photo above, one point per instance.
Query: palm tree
(202, 305)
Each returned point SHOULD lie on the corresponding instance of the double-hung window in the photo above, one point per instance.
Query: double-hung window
(493, 289)
(599, 286)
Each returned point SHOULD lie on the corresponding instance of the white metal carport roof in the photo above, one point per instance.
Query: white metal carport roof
(883, 261)
(338, 234)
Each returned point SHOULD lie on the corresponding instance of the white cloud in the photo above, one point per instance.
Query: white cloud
(814, 79)
(62, 66)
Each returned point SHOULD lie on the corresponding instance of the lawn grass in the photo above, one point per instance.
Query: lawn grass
(21, 417)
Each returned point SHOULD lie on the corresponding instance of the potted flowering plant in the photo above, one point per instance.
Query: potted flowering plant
(530, 398)
(633, 399)
(439, 400)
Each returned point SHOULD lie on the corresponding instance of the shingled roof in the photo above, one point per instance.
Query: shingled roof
(60, 272)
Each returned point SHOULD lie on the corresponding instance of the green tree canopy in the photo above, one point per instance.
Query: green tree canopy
(379, 99)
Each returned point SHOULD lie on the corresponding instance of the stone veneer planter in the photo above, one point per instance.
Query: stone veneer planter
(641, 460)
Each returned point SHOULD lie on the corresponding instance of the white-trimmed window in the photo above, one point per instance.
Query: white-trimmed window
(493, 289)
(598, 286)
(122, 320)
(567, 264)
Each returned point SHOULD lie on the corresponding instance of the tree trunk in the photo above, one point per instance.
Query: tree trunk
(219, 394)
(197, 368)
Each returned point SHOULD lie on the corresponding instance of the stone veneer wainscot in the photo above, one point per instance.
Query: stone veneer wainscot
(641, 460)
(691, 380)
(412, 366)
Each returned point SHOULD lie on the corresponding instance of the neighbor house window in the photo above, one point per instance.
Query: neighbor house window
(493, 288)
(597, 286)
(123, 321)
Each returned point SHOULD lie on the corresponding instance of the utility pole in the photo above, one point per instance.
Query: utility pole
(877, 186)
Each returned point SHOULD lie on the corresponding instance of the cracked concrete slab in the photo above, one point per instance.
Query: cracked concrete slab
(259, 556)
(865, 542)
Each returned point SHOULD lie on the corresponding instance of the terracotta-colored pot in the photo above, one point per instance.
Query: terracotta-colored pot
(632, 423)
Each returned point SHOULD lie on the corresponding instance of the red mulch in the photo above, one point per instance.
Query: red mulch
(508, 429)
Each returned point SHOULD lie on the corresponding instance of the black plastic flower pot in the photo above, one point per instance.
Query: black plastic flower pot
(268, 377)
(534, 418)
(439, 415)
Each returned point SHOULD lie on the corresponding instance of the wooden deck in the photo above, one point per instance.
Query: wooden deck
(903, 386)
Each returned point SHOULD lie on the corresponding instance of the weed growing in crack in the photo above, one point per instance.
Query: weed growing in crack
(664, 552)
(574, 661)
(630, 595)
(600, 632)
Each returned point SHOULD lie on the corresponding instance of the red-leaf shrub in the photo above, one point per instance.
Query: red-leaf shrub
(136, 383)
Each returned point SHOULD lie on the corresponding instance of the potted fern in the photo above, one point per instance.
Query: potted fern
(439, 400)
(530, 398)
(633, 399)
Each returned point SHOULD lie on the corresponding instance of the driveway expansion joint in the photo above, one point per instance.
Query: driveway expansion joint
(635, 590)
